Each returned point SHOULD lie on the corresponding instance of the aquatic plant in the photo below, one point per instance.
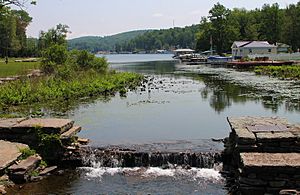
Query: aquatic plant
(284, 72)
(56, 88)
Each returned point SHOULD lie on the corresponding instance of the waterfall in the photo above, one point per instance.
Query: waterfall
(96, 157)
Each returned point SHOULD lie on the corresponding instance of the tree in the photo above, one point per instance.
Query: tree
(53, 36)
(18, 3)
(270, 23)
(204, 35)
(245, 24)
(218, 16)
(292, 26)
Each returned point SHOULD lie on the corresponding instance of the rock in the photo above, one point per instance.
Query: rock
(48, 125)
(83, 141)
(20, 173)
(48, 170)
(2, 190)
(71, 132)
(9, 153)
(277, 160)
(275, 137)
(289, 192)
(252, 182)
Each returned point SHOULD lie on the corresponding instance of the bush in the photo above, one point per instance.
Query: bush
(53, 56)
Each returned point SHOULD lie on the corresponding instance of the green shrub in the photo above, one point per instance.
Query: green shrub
(26, 152)
(53, 56)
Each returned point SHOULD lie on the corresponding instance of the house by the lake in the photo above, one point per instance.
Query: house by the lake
(242, 49)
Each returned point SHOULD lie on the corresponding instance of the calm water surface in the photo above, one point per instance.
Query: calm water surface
(182, 109)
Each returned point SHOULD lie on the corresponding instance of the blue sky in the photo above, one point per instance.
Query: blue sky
(107, 17)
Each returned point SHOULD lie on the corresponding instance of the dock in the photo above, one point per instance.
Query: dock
(263, 154)
(249, 64)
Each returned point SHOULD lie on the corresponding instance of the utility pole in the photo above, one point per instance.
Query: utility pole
(211, 45)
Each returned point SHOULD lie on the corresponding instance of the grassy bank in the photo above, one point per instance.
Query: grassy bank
(55, 88)
(16, 68)
(284, 72)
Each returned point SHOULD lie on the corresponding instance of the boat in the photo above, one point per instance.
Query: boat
(218, 60)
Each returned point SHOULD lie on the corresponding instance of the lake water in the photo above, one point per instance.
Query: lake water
(182, 108)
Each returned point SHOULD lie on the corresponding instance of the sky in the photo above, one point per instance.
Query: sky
(108, 17)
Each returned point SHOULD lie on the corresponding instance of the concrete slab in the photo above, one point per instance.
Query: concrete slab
(49, 125)
(271, 160)
(9, 152)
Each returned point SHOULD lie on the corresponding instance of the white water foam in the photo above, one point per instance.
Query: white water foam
(209, 175)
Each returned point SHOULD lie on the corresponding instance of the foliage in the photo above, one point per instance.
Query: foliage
(52, 88)
(270, 23)
(162, 39)
(94, 44)
(43, 164)
(54, 36)
(19, 3)
(26, 152)
(13, 24)
(52, 56)
(284, 72)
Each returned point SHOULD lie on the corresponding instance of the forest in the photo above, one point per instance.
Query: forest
(221, 27)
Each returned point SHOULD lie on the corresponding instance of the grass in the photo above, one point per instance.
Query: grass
(284, 72)
(16, 68)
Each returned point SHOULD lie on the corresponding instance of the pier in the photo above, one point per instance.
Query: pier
(262, 155)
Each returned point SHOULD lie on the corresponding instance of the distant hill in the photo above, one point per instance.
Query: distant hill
(96, 43)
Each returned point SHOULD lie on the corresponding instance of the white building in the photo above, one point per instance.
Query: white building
(242, 49)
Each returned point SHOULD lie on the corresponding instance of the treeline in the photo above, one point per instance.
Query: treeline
(224, 26)
(108, 43)
(270, 23)
(13, 40)
(162, 39)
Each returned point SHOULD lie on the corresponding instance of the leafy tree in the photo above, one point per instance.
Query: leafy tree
(218, 16)
(53, 36)
(19, 3)
(291, 26)
(270, 23)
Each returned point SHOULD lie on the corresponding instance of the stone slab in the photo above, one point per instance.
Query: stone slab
(7, 124)
(276, 137)
(267, 128)
(49, 125)
(26, 165)
(71, 132)
(271, 159)
(242, 122)
(245, 137)
(9, 152)
(48, 170)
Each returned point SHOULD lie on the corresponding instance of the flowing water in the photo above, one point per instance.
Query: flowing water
(179, 110)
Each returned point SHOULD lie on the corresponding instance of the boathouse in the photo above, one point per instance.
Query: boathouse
(242, 49)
